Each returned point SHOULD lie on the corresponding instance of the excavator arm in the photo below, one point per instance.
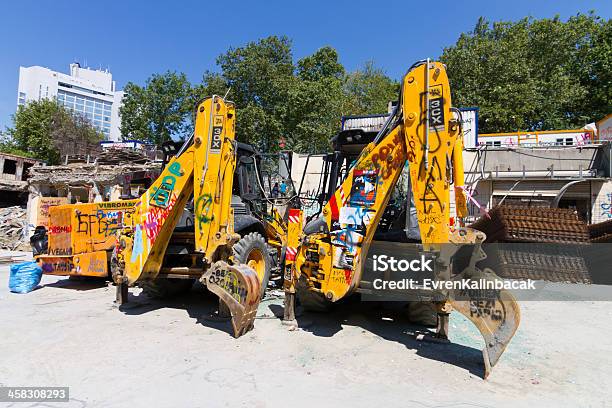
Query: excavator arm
(425, 132)
(203, 168)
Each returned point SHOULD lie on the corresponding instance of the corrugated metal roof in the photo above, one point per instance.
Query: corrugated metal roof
(369, 123)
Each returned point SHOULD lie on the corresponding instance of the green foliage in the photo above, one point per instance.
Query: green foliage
(44, 130)
(533, 74)
(301, 103)
(369, 90)
(315, 102)
(159, 110)
(259, 77)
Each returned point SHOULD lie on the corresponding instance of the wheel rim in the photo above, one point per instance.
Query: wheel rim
(256, 261)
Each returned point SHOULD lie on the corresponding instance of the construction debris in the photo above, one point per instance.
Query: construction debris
(116, 156)
(81, 174)
(13, 223)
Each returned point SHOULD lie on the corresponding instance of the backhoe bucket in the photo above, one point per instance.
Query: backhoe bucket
(239, 289)
(495, 313)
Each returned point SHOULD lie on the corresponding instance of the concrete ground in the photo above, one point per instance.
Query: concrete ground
(164, 354)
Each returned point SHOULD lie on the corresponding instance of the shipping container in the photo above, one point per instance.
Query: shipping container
(575, 137)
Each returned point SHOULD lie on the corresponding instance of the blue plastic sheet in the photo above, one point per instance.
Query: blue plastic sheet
(24, 277)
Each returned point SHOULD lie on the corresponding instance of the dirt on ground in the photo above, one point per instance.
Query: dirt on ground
(168, 354)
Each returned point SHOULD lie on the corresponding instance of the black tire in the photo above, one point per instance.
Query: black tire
(311, 301)
(243, 249)
(164, 288)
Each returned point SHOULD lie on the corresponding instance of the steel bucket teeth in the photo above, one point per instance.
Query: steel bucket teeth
(238, 287)
(496, 314)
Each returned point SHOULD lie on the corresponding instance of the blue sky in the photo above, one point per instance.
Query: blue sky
(137, 38)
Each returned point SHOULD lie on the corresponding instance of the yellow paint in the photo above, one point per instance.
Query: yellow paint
(91, 264)
(216, 155)
(426, 134)
(379, 166)
(292, 236)
(44, 206)
(83, 232)
(205, 169)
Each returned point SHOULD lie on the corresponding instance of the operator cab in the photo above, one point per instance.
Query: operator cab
(347, 147)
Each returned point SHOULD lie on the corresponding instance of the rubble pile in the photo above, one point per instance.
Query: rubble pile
(13, 223)
(536, 243)
(116, 156)
(82, 173)
(601, 232)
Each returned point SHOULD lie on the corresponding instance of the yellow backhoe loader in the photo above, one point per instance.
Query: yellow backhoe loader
(203, 169)
(329, 256)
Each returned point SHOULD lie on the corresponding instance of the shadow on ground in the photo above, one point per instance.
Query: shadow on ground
(78, 283)
(199, 304)
(387, 320)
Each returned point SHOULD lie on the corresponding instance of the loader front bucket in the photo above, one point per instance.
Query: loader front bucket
(239, 289)
(495, 313)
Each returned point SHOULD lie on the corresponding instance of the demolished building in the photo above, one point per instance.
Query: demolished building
(115, 174)
(13, 183)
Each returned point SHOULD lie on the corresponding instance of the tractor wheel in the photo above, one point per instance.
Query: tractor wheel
(164, 288)
(252, 250)
(309, 300)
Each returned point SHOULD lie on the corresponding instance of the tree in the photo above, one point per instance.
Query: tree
(315, 102)
(258, 77)
(73, 134)
(44, 130)
(159, 110)
(533, 74)
(369, 90)
(276, 98)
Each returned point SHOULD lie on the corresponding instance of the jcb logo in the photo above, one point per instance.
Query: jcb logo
(435, 91)
(215, 143)
(436, 108)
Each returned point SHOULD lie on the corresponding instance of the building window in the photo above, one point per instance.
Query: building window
(22, 98)
(10, 167)
(567, 141)
(94, 110)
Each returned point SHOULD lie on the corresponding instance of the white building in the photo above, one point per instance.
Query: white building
(88, 92)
